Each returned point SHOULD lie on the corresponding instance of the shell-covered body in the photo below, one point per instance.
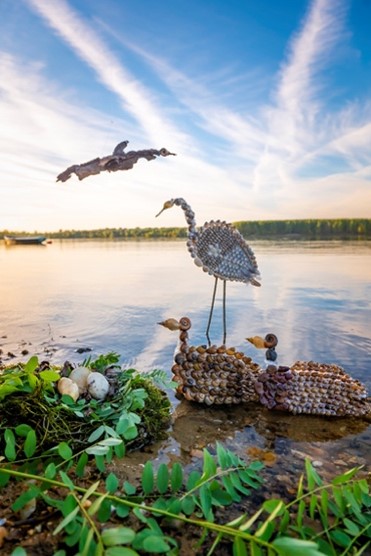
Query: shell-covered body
(312, 388)
(222, 252)
(212, 375)
(218, 248)
(309, 387)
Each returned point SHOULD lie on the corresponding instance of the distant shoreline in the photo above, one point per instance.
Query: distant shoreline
(308, 229)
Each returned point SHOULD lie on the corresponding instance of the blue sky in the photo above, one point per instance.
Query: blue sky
(267, 105)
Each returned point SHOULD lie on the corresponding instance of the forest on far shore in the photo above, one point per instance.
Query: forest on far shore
(340, 228)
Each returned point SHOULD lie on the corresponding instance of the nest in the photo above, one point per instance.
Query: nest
(56, 418)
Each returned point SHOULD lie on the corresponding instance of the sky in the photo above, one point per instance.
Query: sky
(266, 104)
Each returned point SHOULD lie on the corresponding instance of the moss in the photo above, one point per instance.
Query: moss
(156, 413)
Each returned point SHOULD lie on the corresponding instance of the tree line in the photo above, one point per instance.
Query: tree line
(340, 228)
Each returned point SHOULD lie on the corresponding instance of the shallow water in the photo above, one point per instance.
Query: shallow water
(109, 296)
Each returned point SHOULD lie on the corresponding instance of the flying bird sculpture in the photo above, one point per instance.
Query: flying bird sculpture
(211, 375)
(308, 387)
(219, 249)
(118, 160)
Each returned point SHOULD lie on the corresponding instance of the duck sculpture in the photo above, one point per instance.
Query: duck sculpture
(211, 375)
(308, 387)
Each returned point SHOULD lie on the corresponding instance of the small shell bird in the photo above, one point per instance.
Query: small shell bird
(221, 251)
(308, 387)
(211, 375)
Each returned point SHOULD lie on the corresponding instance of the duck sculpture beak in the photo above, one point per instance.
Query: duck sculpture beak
(171, 324)
(270, 341)
(257, 341)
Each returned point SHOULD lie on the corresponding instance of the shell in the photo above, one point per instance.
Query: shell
(270, 340)
(79, 375)
(98, 385)
(68, 387)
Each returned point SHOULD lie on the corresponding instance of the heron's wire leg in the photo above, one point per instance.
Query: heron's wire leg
(224, 312)
(211, 312)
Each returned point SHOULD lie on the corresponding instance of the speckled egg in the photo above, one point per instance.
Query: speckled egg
(97, 385)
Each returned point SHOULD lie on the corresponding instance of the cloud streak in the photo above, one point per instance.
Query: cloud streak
(91, 49)
(273, 159)
(296, 127)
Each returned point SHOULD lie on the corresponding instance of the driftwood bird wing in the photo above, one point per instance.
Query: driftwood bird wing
(119, 160)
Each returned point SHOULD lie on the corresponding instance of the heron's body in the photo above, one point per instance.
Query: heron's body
(220, 250)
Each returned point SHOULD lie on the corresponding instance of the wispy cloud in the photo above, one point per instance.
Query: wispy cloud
(269, 158)
(300, 118)
(301, 75)
(91, 49)
(296, 127)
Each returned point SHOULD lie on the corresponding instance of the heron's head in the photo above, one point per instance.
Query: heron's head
(165, 152)
(167, 205)
(172, 324)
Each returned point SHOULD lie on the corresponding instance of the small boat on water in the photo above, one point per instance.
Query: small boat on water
(24, 240)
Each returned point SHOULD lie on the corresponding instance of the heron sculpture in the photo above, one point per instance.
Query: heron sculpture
(219, 249)
(212, 375)
(308, 387)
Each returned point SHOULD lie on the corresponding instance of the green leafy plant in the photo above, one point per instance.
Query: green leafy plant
(162, 494)
(113, 517)
(26, 379)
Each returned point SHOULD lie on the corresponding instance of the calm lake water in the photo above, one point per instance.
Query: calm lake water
(109, 296)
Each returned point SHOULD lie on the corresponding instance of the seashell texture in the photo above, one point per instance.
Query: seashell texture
(221, 251)
(312, 388)
(79, 375)
(212, 375)
(97, 385)
(69, 387)
(218, 247)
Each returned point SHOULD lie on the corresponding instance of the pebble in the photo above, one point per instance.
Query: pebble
(83, 350)
(196, 453)
(317, 463)
(3, 535)
(340, 463)
(28, 509)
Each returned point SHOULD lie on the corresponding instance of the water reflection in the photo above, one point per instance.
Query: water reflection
(109, 296)
(196, 427)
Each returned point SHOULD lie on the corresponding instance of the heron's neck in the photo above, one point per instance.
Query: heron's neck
(189, 215)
